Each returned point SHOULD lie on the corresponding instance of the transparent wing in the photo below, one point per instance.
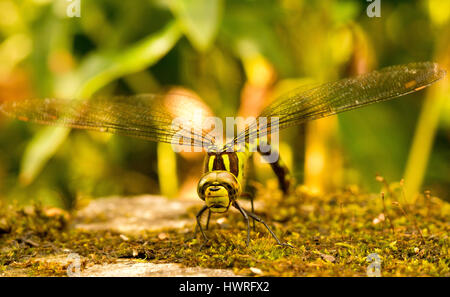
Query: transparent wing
(146, 116)
(302, 105)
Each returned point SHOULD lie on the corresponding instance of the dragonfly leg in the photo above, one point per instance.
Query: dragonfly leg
(207, 220)
(199, 224)
(251, 196)
(255, 217)
(244, 214)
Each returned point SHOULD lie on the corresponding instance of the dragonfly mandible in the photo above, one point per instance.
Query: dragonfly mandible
(151, 117)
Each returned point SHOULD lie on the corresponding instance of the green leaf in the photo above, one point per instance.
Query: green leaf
(97, 71)
(199, 19)
(258, 35)
(40, 149)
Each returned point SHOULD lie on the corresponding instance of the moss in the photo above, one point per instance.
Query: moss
(332, 235)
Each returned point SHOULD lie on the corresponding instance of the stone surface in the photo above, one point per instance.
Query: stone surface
(134, 214)
(121, 268)
(136, 268)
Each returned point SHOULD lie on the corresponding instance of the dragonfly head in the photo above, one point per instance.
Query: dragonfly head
(218, 189)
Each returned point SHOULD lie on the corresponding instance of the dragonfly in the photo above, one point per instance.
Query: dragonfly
(154, 117)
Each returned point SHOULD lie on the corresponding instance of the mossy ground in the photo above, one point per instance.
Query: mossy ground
(332, 235)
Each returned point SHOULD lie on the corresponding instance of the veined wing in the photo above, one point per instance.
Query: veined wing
(300, 106)
(146, 116)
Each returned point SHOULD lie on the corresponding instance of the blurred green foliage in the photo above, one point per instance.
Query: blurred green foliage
(125, 47)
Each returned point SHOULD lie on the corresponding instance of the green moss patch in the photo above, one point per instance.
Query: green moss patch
(332, 235)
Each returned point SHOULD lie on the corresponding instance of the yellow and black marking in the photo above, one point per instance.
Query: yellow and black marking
(233, 162)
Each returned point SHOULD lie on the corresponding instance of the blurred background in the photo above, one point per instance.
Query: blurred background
(237, 56)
